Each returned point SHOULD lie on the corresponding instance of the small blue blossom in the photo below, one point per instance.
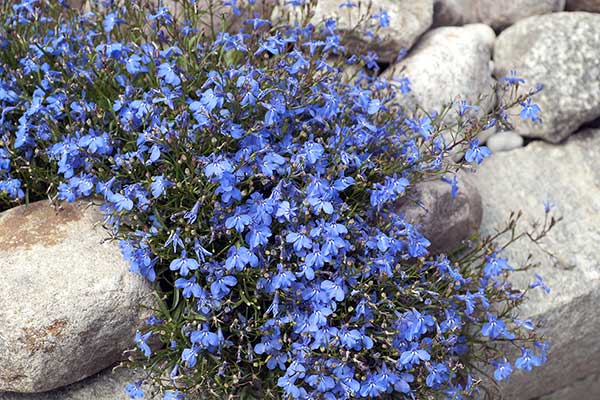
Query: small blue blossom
(530, 111)
(110, 21)
(183, 264)
(134, 390)
(141, 341)
(477, 153)
(527, 360)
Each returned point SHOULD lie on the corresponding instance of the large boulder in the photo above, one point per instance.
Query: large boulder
(568, 176)
(583, 5)
(106, 385)
(583, 389)
(69, 306)
(560, 51)
(444, 220)
(407, 19)
(497, 14)
(222, 15)
(448, 64)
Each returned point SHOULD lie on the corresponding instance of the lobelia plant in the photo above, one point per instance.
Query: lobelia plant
(258, 189)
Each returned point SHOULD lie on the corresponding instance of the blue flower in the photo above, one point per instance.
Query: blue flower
(477, 153)
(421, 126)
(495, 266)
(238, 221)
(239, 257)
(495, 328)
(173, 395)
(159, 185)
(190, 356)
(414, 356)
(438, 374)
(371, 387)
(189, 287)
(121, 202)
(141, 340)
(299, 241)
(512, 78)
(334, 290)
(222, 286)
(183, 264)
(205, 338)
(454, 183)
(169, 74)
(502, 371)
(527, 360)
(134, 390)
(110, 21)
(539, 282)
(530, 111)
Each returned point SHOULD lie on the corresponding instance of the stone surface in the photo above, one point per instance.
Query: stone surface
(408, 19)
(583, 5)
(69, 305)
(568, 175)
(449, 63)
(262, 8)
(561, 51)
(504, 141)
(581, 389)
(432, 202)
(496, 13)
(107, 385)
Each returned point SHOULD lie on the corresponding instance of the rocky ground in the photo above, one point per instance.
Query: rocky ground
(457, 48)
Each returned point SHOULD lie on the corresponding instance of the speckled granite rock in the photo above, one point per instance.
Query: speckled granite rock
(69, 305)
(560, 51)
(449, 63)
(106, 385)
(496, 13)
(432, 202)
(408, 19)
(568, 175)
(583, 5)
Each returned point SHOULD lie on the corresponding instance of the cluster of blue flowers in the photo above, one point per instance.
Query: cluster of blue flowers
(258, 189)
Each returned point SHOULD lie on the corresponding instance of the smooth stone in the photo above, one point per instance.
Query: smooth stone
(504, 141)
(583, 5)
(428, 203)
(560, 51)
(449, 64)
(222, 14)
(106, 385)
(582, 389)
(69, 305)
(496, 13)
(408, 20)
(568, 175)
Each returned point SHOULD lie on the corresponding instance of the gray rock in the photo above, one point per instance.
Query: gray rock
(561, 51)
(569, 176)
(69, 305)
(107, 385)
(583, 5)
(222, 15)
(497, 14)
(504, 141)
(428, 203)
(449, 63)
(585, 388)
(408, 19)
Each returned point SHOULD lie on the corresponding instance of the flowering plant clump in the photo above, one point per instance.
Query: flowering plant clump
(258, 189)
